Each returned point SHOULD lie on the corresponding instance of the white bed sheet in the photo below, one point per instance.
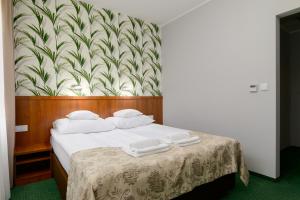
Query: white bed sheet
(64, 145)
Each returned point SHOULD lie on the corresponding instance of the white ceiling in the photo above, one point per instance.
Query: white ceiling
(158, 11)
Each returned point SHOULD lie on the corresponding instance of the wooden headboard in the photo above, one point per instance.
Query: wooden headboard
(39, 112)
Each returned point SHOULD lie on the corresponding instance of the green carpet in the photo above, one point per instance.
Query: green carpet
(260, 188)
(287, 187)
(43, 190)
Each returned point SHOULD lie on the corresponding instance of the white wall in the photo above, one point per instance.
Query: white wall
(210, 58)
(295, 89)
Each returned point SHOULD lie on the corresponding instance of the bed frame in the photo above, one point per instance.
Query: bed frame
(39, 113)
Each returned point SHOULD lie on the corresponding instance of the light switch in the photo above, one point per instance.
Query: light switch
(253, 88)
(263, 87)
(21, 128)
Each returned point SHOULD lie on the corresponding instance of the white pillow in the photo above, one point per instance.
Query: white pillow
(132, 122)
(127, 113)
(83, 115)
(66, 126)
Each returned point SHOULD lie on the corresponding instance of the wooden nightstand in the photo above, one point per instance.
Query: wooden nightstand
(32, 163)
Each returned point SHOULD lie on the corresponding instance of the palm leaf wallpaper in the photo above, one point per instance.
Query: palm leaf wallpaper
(69, 47)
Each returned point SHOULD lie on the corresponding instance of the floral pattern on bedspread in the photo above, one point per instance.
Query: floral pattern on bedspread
(109, 173)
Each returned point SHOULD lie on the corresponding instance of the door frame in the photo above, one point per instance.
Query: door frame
(278, 54)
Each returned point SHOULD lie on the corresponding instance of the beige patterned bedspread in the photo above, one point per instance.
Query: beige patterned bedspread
(109, 173)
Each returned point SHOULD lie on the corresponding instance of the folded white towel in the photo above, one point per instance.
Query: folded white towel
(145, 147)
(135, 154)
(145, 143)
(171, 138)
(188, 141)
(149, 149)
(187, 144)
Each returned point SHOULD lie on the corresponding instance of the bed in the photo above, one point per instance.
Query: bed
(39, 113)
(160, 176)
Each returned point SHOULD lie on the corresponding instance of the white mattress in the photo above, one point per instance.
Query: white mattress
(64, 145)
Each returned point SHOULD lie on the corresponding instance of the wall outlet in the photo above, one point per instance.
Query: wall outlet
(21, 128)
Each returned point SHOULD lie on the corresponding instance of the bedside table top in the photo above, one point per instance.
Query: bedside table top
(32, 149)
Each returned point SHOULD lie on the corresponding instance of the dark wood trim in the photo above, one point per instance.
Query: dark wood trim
(21, 150)
(60, 176)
